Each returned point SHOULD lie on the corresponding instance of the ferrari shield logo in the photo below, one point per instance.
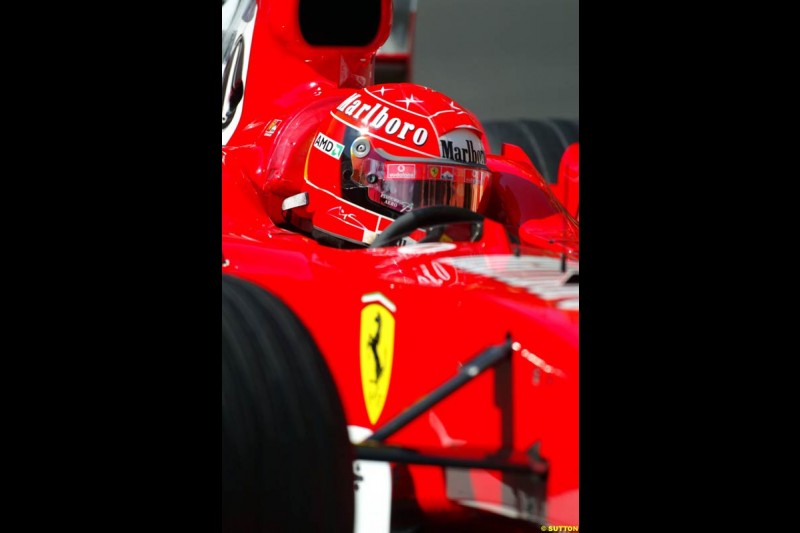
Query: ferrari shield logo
(376, 351)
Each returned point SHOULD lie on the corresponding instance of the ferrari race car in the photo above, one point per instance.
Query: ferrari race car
(400, 300)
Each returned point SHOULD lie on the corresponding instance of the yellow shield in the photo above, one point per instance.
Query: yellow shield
(377, 351)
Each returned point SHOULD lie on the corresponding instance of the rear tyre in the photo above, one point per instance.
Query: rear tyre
(286, 456)
(545, 141)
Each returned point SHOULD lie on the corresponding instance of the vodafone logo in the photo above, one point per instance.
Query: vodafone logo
(378, 117)
(396, 171)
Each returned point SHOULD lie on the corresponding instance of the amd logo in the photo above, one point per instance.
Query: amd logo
(327, 145)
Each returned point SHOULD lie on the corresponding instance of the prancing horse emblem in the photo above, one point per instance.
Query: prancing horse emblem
(376, 352)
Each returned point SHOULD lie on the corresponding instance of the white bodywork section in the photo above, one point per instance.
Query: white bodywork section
(541, 276)
(245, 29)
(373, 490)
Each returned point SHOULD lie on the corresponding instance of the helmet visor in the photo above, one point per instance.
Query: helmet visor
(406, 185)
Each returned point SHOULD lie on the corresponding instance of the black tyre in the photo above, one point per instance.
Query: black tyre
(286, 456)
(543, 140)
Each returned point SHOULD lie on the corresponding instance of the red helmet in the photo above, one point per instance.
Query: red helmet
(387, 149)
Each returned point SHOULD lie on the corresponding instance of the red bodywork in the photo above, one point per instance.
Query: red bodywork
(450, 301)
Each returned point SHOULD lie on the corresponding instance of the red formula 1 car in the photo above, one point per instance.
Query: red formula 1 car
(399, 304)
